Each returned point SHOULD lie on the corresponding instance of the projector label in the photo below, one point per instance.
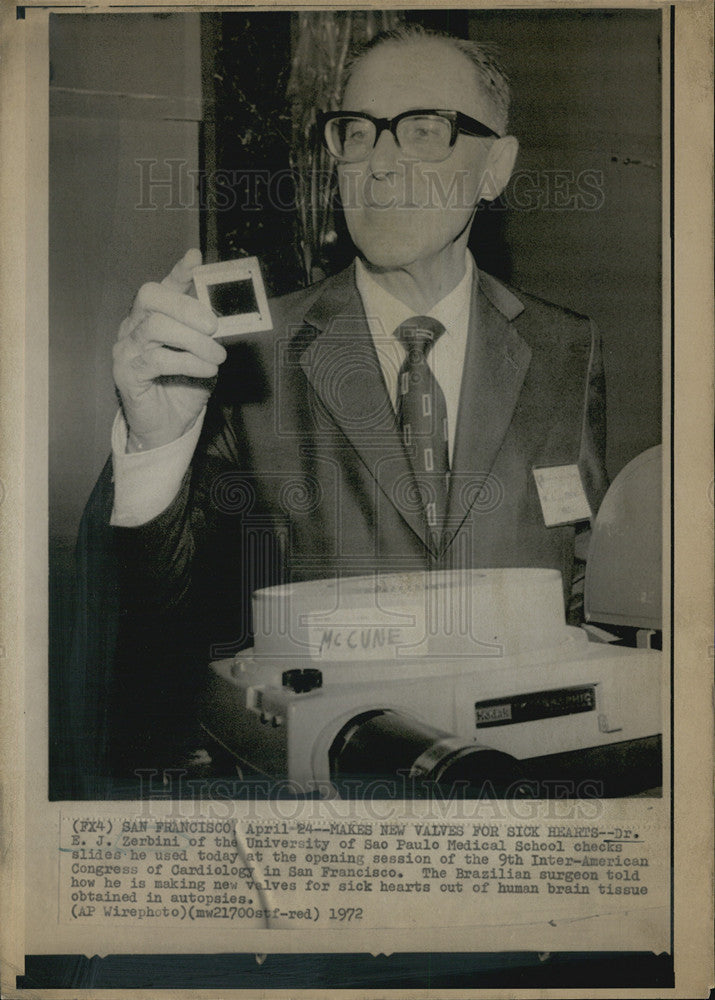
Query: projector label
(493, 713)
(531, 707)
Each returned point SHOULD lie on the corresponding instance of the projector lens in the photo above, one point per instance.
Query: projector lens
(384, 745)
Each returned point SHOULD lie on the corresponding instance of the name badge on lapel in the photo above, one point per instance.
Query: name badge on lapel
(561, 493)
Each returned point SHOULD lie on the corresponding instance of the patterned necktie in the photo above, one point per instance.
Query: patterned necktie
(422, 418)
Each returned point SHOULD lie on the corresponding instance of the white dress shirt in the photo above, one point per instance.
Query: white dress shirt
(146, 482)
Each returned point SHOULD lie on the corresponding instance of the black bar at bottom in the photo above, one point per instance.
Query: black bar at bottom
(416, 970)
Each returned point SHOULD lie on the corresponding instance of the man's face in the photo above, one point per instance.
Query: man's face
(399, 211)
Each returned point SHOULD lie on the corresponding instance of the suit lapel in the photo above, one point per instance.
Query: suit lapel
(342, 366)
(343, 369)
(496, 362)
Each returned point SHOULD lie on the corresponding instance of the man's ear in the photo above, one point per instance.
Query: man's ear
(500, 163)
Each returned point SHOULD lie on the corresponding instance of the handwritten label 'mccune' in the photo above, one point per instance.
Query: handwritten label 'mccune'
(358, 643)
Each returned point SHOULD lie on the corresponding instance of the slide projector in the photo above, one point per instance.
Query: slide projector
(469, 681)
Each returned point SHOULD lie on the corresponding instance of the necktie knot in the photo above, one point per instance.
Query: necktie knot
(418, 335)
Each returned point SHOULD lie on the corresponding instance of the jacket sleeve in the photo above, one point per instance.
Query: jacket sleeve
(190, 559)
(154, 605)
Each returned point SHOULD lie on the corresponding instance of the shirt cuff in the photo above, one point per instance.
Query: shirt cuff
(146, 482)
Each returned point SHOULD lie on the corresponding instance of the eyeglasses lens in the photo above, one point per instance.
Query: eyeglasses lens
(424, 137)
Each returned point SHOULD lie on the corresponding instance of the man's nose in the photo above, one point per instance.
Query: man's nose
(384, 158)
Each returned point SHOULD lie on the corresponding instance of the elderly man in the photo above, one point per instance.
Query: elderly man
(394, 417)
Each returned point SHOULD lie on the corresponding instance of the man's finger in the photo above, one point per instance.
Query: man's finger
(161, 330)
(180, 277)
(167, 300)
(156, 361)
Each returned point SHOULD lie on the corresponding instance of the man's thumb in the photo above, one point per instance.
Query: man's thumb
(181, 274)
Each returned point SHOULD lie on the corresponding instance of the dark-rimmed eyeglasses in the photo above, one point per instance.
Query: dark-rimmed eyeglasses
(425, 134)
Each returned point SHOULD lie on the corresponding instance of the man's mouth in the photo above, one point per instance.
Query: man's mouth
(387, 200)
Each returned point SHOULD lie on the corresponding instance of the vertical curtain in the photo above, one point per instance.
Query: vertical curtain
(322, 41)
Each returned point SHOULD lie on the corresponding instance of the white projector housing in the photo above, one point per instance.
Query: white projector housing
(449, 674)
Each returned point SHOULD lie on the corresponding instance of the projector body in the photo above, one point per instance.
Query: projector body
(431, 675)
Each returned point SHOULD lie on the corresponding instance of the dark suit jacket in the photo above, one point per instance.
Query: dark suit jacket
(300, 472)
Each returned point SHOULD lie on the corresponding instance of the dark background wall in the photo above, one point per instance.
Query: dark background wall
(122, 89)
(583, 225)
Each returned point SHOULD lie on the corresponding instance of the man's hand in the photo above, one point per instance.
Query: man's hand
(165, 361)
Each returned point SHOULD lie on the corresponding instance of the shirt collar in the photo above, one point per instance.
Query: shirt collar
(385, 312)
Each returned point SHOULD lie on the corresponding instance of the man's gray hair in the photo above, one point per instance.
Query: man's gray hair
(490, 76)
